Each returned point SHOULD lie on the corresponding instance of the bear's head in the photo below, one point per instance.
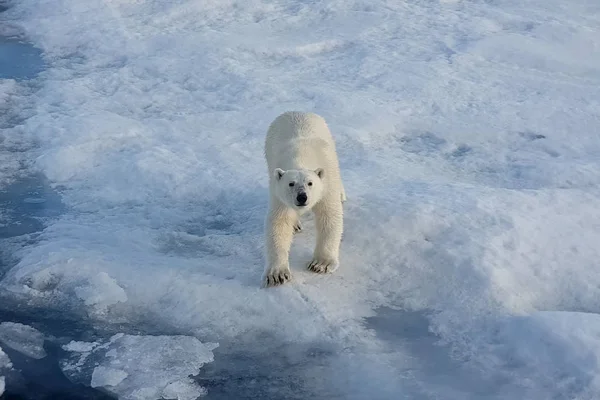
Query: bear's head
(300, 189)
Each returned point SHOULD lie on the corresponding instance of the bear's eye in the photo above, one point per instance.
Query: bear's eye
(291, 184)
(309, 183)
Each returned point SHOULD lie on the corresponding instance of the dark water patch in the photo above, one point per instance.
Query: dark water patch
(268, 370)
(19, 60)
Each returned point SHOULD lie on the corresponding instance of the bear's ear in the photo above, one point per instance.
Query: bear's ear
(278, 173)
(319, 172)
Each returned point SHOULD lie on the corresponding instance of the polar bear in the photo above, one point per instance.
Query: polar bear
(304, 175)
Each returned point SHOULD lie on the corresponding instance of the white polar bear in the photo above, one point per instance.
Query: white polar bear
(304, 175)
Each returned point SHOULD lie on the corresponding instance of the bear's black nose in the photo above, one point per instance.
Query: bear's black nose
(301, 199)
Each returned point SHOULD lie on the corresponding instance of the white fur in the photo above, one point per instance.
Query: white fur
(300, 149)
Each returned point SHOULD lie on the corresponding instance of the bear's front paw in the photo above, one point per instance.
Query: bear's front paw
(323, 265)
(277, 276)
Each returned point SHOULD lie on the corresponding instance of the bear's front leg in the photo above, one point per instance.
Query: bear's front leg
(330, 224)
(279, 230)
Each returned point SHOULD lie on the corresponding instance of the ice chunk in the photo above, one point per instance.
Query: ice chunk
(5, 364)
(4, 361)
(80, 347)
(23, 338)
(140, 367)
(104, 376)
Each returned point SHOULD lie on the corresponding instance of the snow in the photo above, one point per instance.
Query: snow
(467, 135)
(23, 338)
(137, 367)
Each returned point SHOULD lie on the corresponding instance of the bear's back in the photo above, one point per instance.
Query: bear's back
(298, 139)
(296, 124)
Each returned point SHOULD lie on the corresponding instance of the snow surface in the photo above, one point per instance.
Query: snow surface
(468, 138)
(141, 367)
(23, 338)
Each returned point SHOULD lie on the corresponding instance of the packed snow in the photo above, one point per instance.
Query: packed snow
(467, 133)
(23, 338)
(141, 367)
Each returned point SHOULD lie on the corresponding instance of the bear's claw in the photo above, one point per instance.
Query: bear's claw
(277, 278)
(323, 266)
(297, 227)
